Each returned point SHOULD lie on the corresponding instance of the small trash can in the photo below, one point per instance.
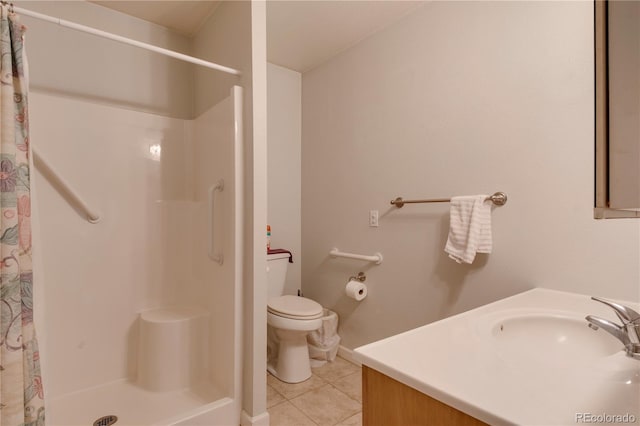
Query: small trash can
(323, 343)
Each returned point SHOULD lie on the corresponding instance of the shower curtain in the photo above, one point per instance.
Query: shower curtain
(21, 390)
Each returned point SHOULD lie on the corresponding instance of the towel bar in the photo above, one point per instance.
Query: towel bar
(499, 199)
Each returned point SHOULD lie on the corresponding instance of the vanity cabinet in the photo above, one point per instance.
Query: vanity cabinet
(387, 402)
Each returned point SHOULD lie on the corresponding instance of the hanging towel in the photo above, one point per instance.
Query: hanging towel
(469, 228)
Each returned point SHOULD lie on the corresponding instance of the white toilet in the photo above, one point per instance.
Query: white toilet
(290, 319)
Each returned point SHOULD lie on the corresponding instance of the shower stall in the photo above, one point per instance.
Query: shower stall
(140, 307)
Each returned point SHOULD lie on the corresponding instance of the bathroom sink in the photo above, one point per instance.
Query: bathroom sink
(553, 338)
(529, 359)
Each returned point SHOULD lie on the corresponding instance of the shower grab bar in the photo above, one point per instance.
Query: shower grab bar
(377, 257)
(216, 257)
(64, 188)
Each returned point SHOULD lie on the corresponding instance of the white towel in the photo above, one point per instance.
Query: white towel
(469, 228)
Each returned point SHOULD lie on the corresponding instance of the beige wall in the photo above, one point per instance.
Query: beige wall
(283, 173)
(69, 63)
(457, 98)
(225, 38)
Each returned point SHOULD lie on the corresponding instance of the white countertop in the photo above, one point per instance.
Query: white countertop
(458, 362)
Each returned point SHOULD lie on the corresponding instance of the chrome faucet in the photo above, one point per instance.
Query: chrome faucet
(628, 333)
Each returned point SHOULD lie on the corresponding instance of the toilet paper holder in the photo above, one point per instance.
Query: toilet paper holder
(361, 277)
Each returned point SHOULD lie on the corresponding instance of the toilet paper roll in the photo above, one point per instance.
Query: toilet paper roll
(356, 290)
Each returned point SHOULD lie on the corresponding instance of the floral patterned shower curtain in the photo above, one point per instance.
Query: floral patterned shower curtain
(21, 391)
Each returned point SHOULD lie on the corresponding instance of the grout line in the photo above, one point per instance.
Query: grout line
(275, 390)
(295, 408)
(349, 415)
(345, 394)
(275, 405)
(305, 414)
(325, 382)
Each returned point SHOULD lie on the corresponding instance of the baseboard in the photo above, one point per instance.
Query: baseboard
(261, 420)
(347, 354)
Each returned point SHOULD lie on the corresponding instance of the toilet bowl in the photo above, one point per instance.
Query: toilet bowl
(291, 318)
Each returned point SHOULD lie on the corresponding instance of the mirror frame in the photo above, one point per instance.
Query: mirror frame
(601, 110)
(602, 208)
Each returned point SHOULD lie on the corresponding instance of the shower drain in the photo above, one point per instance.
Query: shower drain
(105, 421)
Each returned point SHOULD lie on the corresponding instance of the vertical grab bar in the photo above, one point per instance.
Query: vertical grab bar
(218, 258)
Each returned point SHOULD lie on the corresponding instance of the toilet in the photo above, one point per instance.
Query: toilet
(289, 318)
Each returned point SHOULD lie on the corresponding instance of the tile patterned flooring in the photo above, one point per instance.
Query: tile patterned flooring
(331, 396)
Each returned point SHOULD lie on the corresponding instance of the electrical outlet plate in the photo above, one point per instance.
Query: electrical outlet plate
(373, 218)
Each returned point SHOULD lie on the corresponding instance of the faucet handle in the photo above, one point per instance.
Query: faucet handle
(625, 313)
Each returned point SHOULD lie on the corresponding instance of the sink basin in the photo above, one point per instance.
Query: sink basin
(551, 339)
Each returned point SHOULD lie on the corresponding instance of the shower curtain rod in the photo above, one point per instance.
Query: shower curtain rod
(125, 40)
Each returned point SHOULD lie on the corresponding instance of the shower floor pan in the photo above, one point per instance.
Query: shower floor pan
(133, 405)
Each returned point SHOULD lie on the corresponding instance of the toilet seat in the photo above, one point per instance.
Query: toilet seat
(294, 307)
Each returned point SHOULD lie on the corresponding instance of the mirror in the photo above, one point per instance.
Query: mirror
(617, 72)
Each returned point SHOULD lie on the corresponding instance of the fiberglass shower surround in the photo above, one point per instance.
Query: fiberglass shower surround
(141, 324)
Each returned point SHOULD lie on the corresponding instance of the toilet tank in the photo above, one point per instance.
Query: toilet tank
(277, 265)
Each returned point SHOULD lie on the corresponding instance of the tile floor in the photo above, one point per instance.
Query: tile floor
(331, 396)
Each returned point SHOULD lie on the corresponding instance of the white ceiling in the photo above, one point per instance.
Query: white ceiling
(183, 16)
(301, 34)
